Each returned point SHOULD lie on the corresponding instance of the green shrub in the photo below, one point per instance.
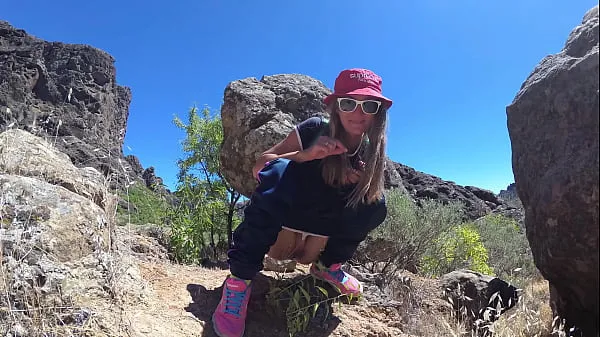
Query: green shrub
(507, 247)
(459, 248)
(303, 299)
(413, 229)
(145, 206)
(197, 222)
(204, 219)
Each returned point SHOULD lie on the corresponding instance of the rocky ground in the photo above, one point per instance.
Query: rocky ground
(68, 269)
(178, 300)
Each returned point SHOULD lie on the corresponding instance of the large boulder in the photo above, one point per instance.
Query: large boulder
(257, 114)
(56, 240)
(553, 126)
(66, 93)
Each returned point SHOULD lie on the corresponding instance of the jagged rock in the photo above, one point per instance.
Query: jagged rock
(153, 182)
(135, 165)
(55, 237)
(553, 126)
(511, 206)
(478, 202)
(509, 193)
(475, 296)
(67, 94)
(258, 114)
(24, 154)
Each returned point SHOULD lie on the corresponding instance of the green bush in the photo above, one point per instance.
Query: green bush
(507, 247)
(197, 222)
(145, 206)
(461, 247)
(303, 299)
(204, 218)
(413, 229)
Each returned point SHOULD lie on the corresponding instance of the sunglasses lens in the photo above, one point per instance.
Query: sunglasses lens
(347, 104)
(370, 107)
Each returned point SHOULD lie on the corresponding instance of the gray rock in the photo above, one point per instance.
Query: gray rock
(509, 193)
(553, 126)
(67, 94)
(55, 235)
(258, 114)
(26, 155)
(477, 298)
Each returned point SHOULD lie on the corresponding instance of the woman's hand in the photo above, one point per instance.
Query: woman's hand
(324, 147)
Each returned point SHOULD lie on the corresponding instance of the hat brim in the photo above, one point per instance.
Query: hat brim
(363, 92)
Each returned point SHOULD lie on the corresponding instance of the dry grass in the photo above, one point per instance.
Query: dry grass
(531, 317)
(27, 310)
(27, 306)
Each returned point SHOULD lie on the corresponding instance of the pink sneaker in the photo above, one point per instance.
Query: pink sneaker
(229, 319)
(334, 275)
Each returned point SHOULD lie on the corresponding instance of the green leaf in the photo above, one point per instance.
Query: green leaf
(306, 295)
(322, 290)
(296, 298)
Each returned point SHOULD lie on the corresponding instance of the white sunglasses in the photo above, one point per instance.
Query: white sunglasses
(369, 106)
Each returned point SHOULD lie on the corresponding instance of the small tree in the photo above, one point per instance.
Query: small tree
(207, 194)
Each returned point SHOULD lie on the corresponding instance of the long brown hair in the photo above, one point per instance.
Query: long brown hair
(370, 186)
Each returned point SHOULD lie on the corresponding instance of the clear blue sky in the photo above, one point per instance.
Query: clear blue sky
(451, 67)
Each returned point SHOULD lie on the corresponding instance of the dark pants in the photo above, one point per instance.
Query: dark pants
(294, 194)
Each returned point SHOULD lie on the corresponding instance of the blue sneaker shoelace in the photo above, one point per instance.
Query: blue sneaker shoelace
(339, 275)
(233, 302)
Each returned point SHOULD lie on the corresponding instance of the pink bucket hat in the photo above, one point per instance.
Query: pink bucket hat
(358, 82)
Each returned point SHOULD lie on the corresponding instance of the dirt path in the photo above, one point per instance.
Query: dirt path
(168, 311)
(183, 298)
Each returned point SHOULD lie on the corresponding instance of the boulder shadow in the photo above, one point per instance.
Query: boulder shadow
(262, 320)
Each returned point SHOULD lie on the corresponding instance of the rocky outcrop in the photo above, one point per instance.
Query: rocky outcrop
(68, 95)
(510, 193)
(553, 126)
(257, 114)
(476, 298)
(511, 205)
(478, 202)
(155, 183)
(23, 154)
(56, 240)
